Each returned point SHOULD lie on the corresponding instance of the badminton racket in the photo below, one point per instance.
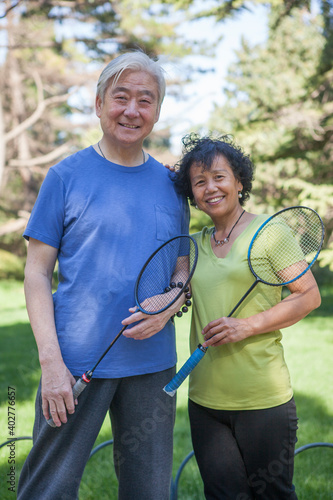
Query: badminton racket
(282, 250)
(162, 280)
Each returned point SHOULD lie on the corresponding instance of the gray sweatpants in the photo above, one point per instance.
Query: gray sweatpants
(142, 417)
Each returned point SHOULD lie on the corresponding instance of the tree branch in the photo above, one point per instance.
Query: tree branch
(35, 115)
(14, 225)
(9, 9)
(41, 160)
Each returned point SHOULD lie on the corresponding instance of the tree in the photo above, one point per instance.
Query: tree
(54, 51)
(279, 107)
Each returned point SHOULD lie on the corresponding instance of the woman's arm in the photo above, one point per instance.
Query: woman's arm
(303, 299)
(57, 381)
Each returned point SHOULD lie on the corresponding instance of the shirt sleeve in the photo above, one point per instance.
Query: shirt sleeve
(276, 256)
(185, 224)
(46, 222)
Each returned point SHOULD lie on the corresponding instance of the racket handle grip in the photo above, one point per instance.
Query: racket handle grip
(79, 386)
(185, 370)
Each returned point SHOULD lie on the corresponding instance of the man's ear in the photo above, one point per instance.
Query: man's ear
(98, 106)
(157, 116)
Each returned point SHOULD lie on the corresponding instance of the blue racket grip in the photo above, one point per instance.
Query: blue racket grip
(185, 370)
(77, 389)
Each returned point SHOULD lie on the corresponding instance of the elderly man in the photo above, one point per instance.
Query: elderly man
(101, 212)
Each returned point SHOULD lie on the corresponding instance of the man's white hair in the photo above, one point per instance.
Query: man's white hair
(135, 61)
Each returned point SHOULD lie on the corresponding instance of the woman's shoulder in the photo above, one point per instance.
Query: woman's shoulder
(203, 235)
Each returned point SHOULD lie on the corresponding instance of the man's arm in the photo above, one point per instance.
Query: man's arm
(150, 325)
(57, 381)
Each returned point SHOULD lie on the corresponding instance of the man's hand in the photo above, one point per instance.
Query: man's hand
(57, 392)
(148, 326)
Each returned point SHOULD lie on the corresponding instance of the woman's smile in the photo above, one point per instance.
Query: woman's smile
(213, 201)
(216, 189)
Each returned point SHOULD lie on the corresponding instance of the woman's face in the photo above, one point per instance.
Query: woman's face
(130, 108)
(215, 190)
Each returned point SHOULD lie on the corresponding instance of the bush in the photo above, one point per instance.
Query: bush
(11, 266)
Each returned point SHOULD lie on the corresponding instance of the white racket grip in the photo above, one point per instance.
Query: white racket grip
(79, 386)
(185, 370)
(50, 422)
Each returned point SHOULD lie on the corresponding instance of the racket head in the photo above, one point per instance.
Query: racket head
(173, 262)
(286, 245)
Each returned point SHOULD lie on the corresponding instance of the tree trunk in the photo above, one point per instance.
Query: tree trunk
(2, 144)
(18, 113)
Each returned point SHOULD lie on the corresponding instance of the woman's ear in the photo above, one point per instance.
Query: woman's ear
(239, 187)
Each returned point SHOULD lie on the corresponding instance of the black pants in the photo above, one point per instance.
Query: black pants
(245, 455)
(142, 418)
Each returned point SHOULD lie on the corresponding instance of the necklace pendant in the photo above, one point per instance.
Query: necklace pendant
(226, 239)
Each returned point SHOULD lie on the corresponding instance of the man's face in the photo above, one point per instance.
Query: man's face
(130, 108)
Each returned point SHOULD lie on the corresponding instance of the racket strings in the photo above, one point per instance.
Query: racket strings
(286, 246)
(166, 275)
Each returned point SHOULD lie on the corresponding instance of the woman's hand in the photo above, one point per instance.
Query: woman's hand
(226, 330)
(170, 167)
(304, 297)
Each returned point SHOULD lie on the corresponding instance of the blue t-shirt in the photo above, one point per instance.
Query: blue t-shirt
(106, 219)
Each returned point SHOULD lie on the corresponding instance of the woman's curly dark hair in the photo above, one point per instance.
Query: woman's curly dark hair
(203, 151)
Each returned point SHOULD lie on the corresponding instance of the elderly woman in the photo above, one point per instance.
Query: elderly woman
(101, 212)
(241, 407)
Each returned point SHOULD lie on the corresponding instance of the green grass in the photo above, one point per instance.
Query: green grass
(309, 354)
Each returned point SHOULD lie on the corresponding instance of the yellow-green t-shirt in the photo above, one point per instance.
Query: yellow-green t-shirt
(252, 373)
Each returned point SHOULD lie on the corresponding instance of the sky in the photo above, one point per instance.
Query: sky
(199, 97)
(205, 91)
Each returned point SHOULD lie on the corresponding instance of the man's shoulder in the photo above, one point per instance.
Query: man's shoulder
(160, 169)
(74, 158)
(73, 164)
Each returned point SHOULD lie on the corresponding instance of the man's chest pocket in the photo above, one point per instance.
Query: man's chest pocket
(168, 222)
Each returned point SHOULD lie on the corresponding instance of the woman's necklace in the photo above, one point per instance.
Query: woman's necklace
(222, 242)
(99, 147)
